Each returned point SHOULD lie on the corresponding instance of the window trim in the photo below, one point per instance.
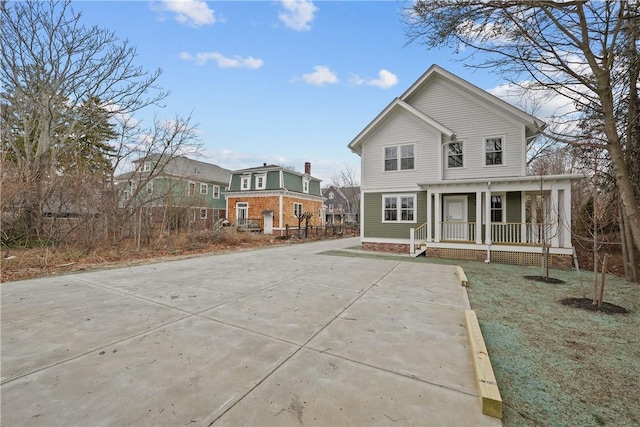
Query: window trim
(398, 197)
(503, 151)
(262, 176)
(464, 154)
(206, 189)
(149, 187)
(245, 179)
(146, 167)
(216, 192)
(190, 192)
(295, 204)
(503, 208)
(305, 185)
(398, 159)
(203, 210)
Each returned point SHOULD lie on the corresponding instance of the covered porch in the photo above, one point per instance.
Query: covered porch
(507, 215)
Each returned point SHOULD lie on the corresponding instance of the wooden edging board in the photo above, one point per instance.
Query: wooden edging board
(490, 399)
(462, 276)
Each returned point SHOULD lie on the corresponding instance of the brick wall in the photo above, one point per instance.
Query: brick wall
(396, 248)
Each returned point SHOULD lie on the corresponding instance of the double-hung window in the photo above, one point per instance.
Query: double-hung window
(204, 189)
(399, 208)
(216, 191)
(455, 154)
(192, 189)
(400, 157)
(297, 209)
(150, 187)
(245, 183)
(305, 185)
(497, 208)
(493, 151)
(261, 181)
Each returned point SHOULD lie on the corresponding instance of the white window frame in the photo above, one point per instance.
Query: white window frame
(245, 182)
(503, 151)
(203, 211)
(149, 187)
(330, 207)
(464, 154)
(146, 167)
(305, 185)
(258, 178)
(191, 192)
(399, 208)
(331, 195)
(504, 208)
(398, 159)
(296, 210)
(204, 189)
(216, 191)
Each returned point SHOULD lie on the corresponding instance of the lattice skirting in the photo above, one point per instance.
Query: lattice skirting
(502, 257)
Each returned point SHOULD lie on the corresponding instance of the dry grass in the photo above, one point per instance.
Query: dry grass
(556, 365)
(25, 263)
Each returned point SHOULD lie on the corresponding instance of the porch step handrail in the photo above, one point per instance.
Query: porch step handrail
(418, 238)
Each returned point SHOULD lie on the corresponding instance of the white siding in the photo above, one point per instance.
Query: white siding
(399, 129)
(472, 121)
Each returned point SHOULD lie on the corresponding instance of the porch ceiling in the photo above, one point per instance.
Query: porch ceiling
(522, 183)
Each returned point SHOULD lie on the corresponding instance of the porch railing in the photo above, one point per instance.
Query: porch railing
(418, 237)
(506, 233)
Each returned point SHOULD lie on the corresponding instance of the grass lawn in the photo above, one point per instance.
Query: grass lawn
(555, 365)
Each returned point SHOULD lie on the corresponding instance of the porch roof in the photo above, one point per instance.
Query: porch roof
(515, 183)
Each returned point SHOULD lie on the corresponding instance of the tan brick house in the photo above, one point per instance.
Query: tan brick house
(267, 198)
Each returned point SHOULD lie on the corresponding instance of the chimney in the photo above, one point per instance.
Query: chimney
(307, 168)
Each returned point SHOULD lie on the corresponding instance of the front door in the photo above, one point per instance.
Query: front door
(268, 222)
(242, 214)
(454, 226)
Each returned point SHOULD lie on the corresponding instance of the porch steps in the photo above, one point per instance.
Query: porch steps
(421, 250)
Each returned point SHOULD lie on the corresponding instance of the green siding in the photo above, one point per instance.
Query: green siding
(514, 199)
(235, 183)
(292, 182)
(314, 188)
(373, 225)
(273, 180)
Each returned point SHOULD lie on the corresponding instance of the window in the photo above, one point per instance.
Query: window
(305, 185)
(261, 182)
(216, 191)
(497, 208)
(146, 167)
(242, 213)
(245, 182)
(192, 189)
(399, 208)
(203, 213)
(455, 154)
(330, 207)
(493, 151)
(204, 189)
(297, 209)
(406, 159)
(331, 195)
(149, 187)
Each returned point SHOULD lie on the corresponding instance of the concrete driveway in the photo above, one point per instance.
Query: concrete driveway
(278, 336)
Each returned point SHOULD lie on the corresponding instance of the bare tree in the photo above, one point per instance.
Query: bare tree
(349, 183)
(577, 49)
(51, 65)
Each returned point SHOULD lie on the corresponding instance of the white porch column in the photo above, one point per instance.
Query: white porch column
(487, 217)
(554, 211)
(478, 217)
(429, 218)
(438, 215)
(535, 238)
(565, 217)
(523, 217)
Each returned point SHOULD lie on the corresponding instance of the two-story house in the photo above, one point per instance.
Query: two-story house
(341, 204)
(270, 197)
(444, 172)
(191, 189)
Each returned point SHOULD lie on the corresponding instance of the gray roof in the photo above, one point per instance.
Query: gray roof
(184, 167)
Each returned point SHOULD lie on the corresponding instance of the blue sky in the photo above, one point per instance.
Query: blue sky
(280, 82)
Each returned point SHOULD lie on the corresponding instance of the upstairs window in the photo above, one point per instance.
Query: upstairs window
(261, 182)
(493, 151)
(455, 154)
(204, 189)
(216, 192)
(305, 185)
(146, 167)
(150, 187)
(331, 195)
(192, 189)
(244, 182)
(399, 157)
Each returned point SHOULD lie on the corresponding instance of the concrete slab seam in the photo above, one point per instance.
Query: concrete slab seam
(209, 421)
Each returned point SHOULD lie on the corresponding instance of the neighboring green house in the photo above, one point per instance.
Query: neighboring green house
(178, 189)
(270, 198)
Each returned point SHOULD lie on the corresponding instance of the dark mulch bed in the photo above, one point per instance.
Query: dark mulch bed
(587, 304)
(545, 280)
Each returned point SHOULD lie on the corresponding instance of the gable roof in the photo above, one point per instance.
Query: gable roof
(397, 105)
(532, 124)
(184, 167)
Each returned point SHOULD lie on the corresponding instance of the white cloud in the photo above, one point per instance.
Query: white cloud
(190, 12)
(321, 75)
(202, 58)
(385, 80)
(297, 14)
